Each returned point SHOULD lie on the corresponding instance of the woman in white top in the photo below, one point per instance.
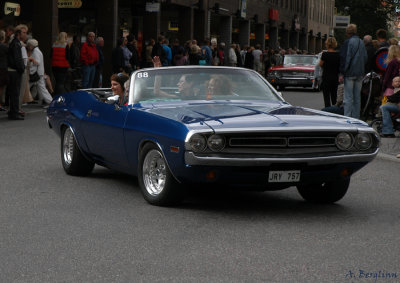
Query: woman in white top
(37, 65)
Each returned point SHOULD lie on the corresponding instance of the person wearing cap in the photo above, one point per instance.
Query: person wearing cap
(118, 87)
(37, 66)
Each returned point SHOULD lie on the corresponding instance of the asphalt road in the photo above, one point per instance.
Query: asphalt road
(58, 228)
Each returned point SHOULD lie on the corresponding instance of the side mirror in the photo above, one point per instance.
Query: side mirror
(112, 99)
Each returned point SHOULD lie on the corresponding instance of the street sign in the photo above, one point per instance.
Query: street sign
(341, 21)
(70, 4)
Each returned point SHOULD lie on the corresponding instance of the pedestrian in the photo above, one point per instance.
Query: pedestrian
(249, 58)
(37, 67)
(16, 68)
(381, 37)
(353, 57)
(330, 62)
(9, 32)
(232, 58)
(392, 71)
(175, 49)
(98, 75)
(392, 106)
(238, 56)
(206, 51)
(149, 51)
(59, 62)
(132, 46)
(118, 61)
(180, 58)
(221, 54)
(25, 95)
(257, 54)
(168, 53)
(159, 51)
(127, 56)
(75, 52)
(370, 53)
(268, 61)
(3, 67)
(195, 55)
(89, 58)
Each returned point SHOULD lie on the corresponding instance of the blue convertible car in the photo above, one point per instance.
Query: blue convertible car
(212, 125)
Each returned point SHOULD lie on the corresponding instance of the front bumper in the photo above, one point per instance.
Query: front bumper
(219, 160)
(290, 81)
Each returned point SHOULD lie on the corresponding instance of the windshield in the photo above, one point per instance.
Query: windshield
(300, 60)
(165, 84)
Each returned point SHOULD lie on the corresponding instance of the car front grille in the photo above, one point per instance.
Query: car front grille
(266, 142)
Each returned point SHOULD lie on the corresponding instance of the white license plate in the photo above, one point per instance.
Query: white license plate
(284, 176)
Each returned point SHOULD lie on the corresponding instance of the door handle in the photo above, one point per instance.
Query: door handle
(89, 113)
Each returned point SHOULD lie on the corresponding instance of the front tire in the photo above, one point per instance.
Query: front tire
(328, 192)
(73, 161)
(156, 182)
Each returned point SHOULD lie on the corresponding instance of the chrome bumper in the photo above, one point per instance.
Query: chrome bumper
(192, 159)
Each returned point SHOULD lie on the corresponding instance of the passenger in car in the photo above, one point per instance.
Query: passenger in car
(185, 84)
(118, 87)
(218, 85)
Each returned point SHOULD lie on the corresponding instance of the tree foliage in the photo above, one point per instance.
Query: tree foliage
(368, 15)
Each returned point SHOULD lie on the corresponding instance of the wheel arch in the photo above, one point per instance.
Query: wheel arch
(63, 126)
(153, 141)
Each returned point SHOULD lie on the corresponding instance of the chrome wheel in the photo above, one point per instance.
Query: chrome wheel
(68, 146)
(154, 172)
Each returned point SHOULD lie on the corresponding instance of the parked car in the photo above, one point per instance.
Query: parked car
(296, 70)
(213, 125)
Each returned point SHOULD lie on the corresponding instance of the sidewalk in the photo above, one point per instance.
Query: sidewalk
(390, 147)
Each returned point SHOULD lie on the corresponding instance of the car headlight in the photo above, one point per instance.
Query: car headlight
(363, 141)
(216, 142)
(197, 143)
(344, 141)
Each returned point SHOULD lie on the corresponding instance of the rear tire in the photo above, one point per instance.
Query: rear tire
(156, 182)
(328, 192)
(72, 159)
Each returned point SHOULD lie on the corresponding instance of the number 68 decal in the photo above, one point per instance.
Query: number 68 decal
(142, 75)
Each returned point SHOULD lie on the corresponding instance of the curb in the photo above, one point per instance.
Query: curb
(388, 157)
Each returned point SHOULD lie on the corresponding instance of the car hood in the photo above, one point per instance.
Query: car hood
(221, 116)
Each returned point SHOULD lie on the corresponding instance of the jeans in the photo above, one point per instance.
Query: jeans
(352, 96)
(59, 76)
(387, 109)
(88, 76)
(13, 89)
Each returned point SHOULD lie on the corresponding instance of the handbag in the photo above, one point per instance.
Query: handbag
(33, 78)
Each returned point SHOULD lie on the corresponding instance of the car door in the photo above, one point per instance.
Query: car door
(103, 129)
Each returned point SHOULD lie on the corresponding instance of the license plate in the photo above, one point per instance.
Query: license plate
(284, 176)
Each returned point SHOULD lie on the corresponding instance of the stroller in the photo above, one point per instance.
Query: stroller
(370, 96)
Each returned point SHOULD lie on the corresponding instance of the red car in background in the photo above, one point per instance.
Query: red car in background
(296, 71)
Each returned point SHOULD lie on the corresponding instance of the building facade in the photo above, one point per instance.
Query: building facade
(301, 24)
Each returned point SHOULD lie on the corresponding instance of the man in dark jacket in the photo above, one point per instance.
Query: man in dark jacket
(16, 68)
(118, 61)
(370, 53)
(158, 50)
